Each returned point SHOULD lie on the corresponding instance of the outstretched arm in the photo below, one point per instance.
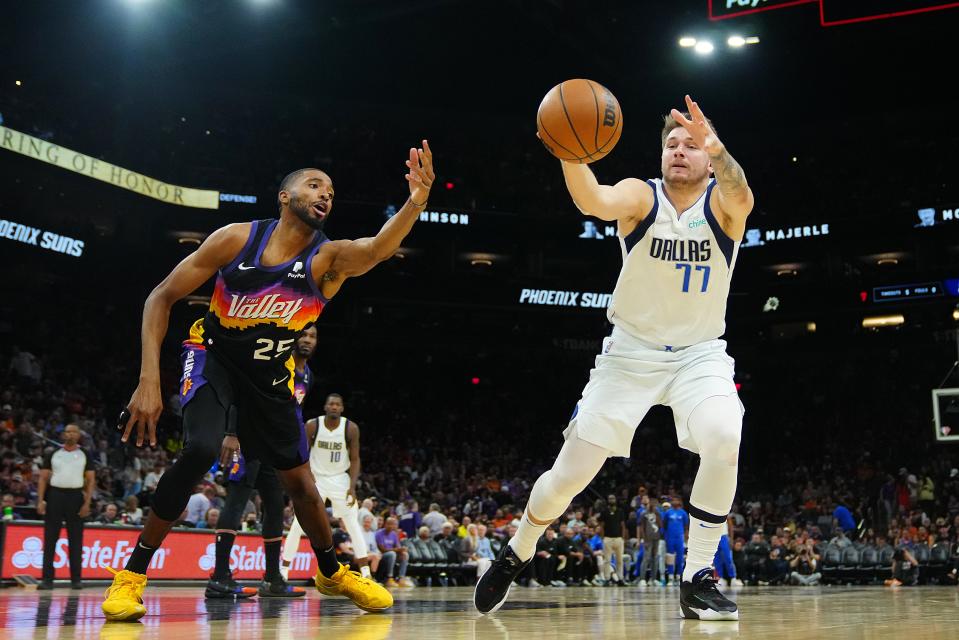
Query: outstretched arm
(733, 198)
(359, 256)
(146, 404)
(629, 198)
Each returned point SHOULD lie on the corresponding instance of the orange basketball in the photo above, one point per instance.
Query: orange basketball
(579, 121)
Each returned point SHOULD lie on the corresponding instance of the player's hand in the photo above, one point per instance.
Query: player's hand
(84, 511)
(42, 508)
(420, 176)
(144, 411)
(350, 496)
(229, 452)
(702, 134)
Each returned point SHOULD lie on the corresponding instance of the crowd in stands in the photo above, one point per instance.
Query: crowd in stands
(470, 457)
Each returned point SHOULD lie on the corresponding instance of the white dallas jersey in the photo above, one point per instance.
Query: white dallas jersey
(328, 455)
(676, 273)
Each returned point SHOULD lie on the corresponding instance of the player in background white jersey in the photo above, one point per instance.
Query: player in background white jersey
(679, 236)
(335, 463)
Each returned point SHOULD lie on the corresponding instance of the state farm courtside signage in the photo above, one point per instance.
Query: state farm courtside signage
(185, 555)
(99, 170)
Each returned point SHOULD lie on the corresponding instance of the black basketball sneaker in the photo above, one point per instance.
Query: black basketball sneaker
(493, 588)
(227, 587)
(699, 599)
(279, 588)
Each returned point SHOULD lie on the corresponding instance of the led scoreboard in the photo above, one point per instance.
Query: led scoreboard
(831, 12)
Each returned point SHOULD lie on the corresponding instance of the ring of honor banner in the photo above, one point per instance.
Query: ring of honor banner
(186, 554)
(99, 170)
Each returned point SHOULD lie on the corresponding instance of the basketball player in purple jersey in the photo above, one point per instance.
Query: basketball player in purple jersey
(243, 477)
(274, 278)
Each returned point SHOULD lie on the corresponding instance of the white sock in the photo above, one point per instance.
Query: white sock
(292, 543)
(524, 542)
(712, 495)
(703, 542)
(365, 571)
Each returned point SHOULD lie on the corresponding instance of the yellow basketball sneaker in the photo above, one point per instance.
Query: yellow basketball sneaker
(364, 592)
(125, 596)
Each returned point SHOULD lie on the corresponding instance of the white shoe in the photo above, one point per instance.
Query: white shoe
(736, 582)
(533, 584)
(285, 572)
(643, 583)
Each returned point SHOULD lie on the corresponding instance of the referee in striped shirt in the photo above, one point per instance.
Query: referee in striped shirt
(63, 495)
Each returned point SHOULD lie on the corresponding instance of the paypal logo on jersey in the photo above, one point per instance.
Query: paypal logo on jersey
(672, 250)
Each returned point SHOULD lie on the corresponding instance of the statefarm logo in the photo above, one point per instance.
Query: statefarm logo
(244, 559)
(266, 308)
(94, 555)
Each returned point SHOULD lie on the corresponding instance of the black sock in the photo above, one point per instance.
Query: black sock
(224, 545)
(326, 559)
(272, 552)
(140, 558)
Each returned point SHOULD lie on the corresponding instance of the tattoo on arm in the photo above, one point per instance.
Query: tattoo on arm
(330, 276)
(729, 175)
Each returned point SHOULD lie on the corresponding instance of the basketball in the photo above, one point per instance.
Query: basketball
(579, 121)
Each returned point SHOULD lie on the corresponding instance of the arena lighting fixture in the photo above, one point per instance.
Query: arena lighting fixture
(687, 41)
(197, 301)
(955, 313)
(736, 41)
(786, 272)
(811, 327)
(18, 83)
(188, 237)
(752, 40)
(481, 258)
(886, 261)
(874, 322)
(704, 47)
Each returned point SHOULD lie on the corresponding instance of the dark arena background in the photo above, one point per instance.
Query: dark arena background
(131, 129)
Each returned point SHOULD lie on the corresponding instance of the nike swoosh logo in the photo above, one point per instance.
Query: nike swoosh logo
(242, 268)
(708, 527)
(276, 382)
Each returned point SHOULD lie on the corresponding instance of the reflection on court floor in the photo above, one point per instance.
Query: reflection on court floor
(181, 613)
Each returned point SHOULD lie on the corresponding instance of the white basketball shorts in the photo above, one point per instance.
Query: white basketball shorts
(632, 375)
(334, 489)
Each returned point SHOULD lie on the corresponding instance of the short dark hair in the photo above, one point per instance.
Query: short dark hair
(334, 395)
(670, 123)
(289, 179)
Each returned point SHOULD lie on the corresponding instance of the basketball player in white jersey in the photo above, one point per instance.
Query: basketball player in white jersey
(335, 463)
(679, 237)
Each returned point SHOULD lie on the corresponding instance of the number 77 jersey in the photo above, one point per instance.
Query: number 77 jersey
(676, 274)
